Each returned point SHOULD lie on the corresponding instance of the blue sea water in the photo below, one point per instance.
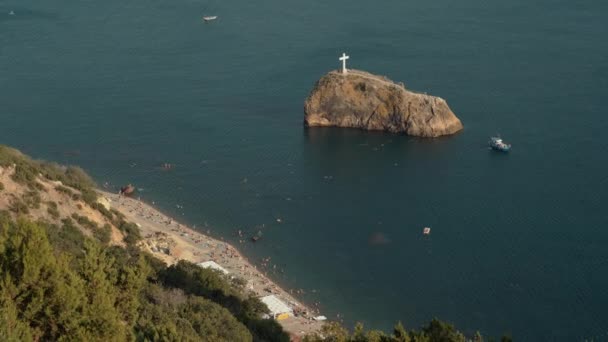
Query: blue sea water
(518, 242)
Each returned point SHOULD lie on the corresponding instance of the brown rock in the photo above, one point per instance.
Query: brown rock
(127, 190)
(363, 100)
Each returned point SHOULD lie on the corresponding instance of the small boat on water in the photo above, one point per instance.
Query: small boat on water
(426, 231)
(497, 144)
(209, 17)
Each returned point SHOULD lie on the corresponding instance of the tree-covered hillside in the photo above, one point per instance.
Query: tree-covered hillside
(57, 284)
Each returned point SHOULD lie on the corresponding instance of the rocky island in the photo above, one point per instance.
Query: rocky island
(362, 100)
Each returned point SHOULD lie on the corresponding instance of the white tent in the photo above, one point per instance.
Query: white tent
(213, 265)
(276, 306)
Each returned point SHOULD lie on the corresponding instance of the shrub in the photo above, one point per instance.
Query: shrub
(103, 234)
(1, 186)
(89, 196)
(18, 206)
(31, 199)
(38, 186)
(269, 330)
(9, 155)
(75, 177)
(132, 233)
(85, 222)
(52, 209)
(105, 212)
(25, 174)
(239, 283)
(117, 213)
(64, 190)
(5, 216)
(67, 238)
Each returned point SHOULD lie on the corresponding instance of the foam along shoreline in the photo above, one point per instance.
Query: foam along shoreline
(172, 241)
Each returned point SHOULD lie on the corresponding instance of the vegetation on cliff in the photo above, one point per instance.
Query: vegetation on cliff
(28, 170)
(57, 284)
(434, 331)
(62, 279)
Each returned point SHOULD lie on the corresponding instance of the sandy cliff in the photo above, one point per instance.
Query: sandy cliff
(363, 100)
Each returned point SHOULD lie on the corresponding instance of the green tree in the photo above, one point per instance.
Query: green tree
(157, 318)
(101, 317)
(377, 336)
(12, 329)
(334, 332)
(442, 331)
(213, 322)
(358, 333)
(38, 285)
(400, 334)
(131, 277)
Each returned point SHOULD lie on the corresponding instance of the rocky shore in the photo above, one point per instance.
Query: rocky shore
(362, 100)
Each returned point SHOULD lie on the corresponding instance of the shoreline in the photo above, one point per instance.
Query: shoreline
(170, 241)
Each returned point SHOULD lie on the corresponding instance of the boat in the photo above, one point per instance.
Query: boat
(497, 144)
(209, 17)
(426, 231)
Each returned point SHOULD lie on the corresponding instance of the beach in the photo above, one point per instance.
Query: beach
(171, 241)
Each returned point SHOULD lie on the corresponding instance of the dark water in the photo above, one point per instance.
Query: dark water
(518, 242)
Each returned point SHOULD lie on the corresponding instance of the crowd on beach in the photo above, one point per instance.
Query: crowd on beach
(197, 247)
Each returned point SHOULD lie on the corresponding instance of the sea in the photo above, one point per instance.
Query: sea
(519, 241)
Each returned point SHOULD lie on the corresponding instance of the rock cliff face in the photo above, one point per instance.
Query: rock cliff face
(362, 100)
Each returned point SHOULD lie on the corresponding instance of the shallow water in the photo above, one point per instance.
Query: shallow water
(518, 241)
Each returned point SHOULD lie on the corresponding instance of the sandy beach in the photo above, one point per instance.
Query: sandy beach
(172, 241)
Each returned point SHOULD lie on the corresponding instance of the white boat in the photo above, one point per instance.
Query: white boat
(497, 144)
(209, 17)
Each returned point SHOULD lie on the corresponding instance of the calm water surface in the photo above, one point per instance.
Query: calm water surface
(518, 242)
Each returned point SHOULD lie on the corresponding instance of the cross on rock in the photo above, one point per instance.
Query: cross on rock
(343, 59)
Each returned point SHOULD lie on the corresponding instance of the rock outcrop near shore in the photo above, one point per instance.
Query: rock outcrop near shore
(362, 100)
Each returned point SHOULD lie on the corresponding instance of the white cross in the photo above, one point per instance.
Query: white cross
(343, 59)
